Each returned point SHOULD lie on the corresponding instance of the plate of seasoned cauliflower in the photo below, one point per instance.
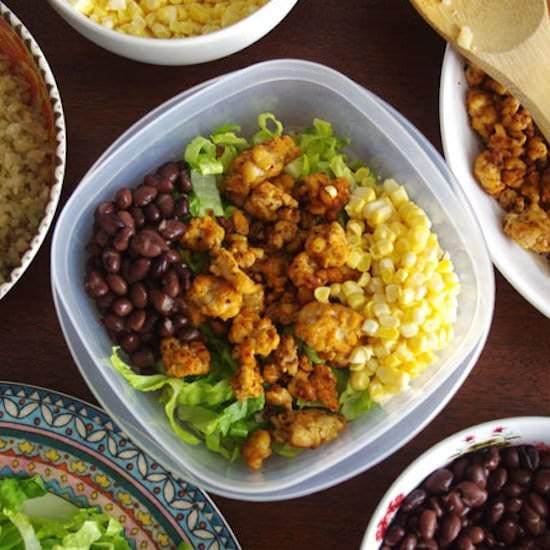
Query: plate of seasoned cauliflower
(502, 162)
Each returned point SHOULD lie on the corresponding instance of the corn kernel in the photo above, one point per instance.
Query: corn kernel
(361, 354)
(364, 279)
(355, 226)
(377, 393)
(390, 185)
(355, 256)
(356, 300)
(359, 380)
(388, 321)
(331, 191)
(372, 364)
(364, 263)
(392, 293)
(381, 248)
(336, 290)
(408, 330)
(322, 294)
(370, 327)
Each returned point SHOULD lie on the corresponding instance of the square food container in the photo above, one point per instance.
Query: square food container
(296, 92)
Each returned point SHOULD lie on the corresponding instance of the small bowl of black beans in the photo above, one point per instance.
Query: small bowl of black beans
(488, 487)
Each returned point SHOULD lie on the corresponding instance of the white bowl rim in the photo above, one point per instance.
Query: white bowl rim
(37, 55)
(168, 43)
(517, 422)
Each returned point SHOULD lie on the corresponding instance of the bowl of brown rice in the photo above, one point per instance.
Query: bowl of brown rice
(32, 148)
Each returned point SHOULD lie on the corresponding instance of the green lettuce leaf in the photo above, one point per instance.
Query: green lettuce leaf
(205, 197)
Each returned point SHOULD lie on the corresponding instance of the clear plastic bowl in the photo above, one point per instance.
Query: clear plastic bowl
(296, 91)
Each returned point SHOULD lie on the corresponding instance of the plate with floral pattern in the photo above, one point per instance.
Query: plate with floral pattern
(87, 460)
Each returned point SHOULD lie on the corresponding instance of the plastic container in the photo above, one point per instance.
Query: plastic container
(296, 92)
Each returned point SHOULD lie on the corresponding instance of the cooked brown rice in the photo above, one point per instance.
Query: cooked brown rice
(26, 154)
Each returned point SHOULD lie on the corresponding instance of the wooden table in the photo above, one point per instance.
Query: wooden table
(385, 46)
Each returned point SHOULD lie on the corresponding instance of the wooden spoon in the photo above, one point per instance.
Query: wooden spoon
(508, 39)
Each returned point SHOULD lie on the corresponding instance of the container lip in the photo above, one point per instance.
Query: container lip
(517, 423)
(38, 57)
(268, 10)
(321, 75)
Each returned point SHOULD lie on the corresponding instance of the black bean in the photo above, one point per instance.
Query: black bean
(507, 531)
(521, 476)
(144, 194)
(513, 505)
(413, 500)
(161, 301)
(529, 457)
(138, 215)
(166, 328)
(121, 241)
(136, 320)
(542, 481)
(122, 307)
(511, 457)
(148, 243)
(152, 213)
(181, 207)
(95, 284)
(124, 198)
(138, 269)
(159, 266)
(427, 524)
(439, 482)
(113, 322)
(138, 295)
(129, 342)
(189, 334)
(127, 219)
(477, 474)
(180, 321)
(497, 480)
(172, 230)
(450, 528)
(171, 283)
(165, 204)
(495, 512)
(475, 534)
(170, 171)
(111, 260)
(472, 495)
(117, 284)
(538, 504)
(105, 302)
(110, 223)
(104, 208)
(184, 181)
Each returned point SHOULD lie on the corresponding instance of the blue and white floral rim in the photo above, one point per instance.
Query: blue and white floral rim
(85, 458)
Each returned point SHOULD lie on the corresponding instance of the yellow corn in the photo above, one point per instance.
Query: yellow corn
(167, 18)
(359, 380)
(322, 294)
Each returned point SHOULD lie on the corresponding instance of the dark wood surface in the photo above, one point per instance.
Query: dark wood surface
(385, 46)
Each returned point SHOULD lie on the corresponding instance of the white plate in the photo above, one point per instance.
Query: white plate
(527, 272)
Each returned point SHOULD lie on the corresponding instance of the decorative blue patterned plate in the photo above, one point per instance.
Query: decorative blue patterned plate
(86, 459)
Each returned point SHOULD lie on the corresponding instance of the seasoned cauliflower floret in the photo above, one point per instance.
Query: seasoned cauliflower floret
(258, 164)
(258, 331)
(203, 234)
(323, 196)
(184, 359)
(283, 232)
(244, 254)
(530, 228)
(247, 381)
(257, 448)
(284, 359)
(327, 245)
(332, 330)
(214, 297)
(304, 271)
(278, 396)
(488, 171)
(319, 384)
(308, 428)
(482, 111)
(225, 265)
(265, 201)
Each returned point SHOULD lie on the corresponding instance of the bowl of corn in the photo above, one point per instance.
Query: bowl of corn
(419, 331)
(171, 32)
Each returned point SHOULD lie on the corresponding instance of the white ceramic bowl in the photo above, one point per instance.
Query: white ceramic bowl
(18, 43)
(179, 51)
(296, 91)
(527, 272)
(533, 430)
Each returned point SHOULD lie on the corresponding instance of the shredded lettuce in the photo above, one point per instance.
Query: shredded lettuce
(265, 133)
(206, 196)
(86, 529)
